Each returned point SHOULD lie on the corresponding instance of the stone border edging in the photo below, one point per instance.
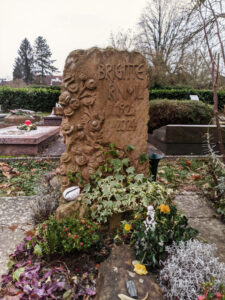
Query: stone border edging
(57, 157)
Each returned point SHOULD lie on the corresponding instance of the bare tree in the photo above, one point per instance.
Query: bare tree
(214, 10)
(123, 40)
(162, 28)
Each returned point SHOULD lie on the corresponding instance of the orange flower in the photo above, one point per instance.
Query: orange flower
(164, 208)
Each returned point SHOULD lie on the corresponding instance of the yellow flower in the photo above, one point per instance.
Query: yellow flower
(136, 217)
(164, 208)
(140, 269)
(127, 227)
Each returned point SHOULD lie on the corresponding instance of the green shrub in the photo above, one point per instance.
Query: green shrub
(50, 87)
(164, 112)
(205, 96)
(67, 235)
(37, 99)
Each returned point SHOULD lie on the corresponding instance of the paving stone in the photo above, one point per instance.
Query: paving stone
(202, 217)
(117, 270)
(15, 220)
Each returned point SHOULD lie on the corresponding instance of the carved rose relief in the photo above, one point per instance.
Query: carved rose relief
(82, 77)
(81, 160)
(75, 103)
(73, 87)
(65, 157)
(79, 133)
(83, 150)
(67, 129)
(90, 84)
(87, 172)
(62, 169)
(73, 168)
(88, 101)
(68, 111)
(65, 181)
(64, 98)
(78, 149)
(95, 124)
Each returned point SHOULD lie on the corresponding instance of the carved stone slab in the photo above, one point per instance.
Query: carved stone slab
(105, 100)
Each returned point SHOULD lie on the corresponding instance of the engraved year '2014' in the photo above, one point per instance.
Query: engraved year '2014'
(124, 124)
(120, 72)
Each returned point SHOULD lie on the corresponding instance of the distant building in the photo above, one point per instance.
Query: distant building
(49, 80)
(52, 80)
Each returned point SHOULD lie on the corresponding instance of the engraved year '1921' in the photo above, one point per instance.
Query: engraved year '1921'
(120, 72)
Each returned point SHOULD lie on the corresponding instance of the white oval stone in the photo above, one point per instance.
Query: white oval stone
(71, 193)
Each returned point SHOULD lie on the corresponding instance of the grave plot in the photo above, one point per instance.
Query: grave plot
(21, 142)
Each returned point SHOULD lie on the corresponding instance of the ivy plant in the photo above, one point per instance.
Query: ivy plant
(122, 191)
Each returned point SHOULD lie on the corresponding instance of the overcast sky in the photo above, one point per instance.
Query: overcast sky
(65, 24)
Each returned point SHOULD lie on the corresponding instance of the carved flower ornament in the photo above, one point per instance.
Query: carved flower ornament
(87, 172)
(90, 84)
(88, 101)
(65, 158)
(62, 169)
(64, 98)
(73, 87)
(67, 129)
(81, 160)
(68, 111)
(75, 103)
(82, 77)
(65, 181)
(95, 124)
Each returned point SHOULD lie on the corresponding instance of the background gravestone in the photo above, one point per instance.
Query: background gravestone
(105, 100)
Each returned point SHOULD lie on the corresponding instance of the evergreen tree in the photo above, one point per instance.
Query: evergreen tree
(24, 63)
(17, 69)
(42, 62)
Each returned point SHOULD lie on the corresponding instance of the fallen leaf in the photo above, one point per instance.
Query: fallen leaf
(20, 193)
(196, 176)
(13, 227)
(29, 232)
(124, 297)
(5, 185)
(188, 162)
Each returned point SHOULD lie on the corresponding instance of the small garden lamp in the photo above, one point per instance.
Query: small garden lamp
(154, 159)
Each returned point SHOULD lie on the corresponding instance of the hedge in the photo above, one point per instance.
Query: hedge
(37, 99)
(163, 112)
(205, 96)
(44, 99)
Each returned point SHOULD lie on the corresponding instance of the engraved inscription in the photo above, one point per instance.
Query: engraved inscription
(120, 72)
(124, 124)
(124, 109)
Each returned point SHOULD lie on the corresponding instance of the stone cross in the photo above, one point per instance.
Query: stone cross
(105, 100)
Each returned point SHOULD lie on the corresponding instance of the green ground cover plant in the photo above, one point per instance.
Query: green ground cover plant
(66, 235)
(59, 259)
(19, 178)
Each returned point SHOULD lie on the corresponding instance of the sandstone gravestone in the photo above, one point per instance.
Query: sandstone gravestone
(105, 100)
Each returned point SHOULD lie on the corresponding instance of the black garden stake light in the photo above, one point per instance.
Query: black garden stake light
(153, 163)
